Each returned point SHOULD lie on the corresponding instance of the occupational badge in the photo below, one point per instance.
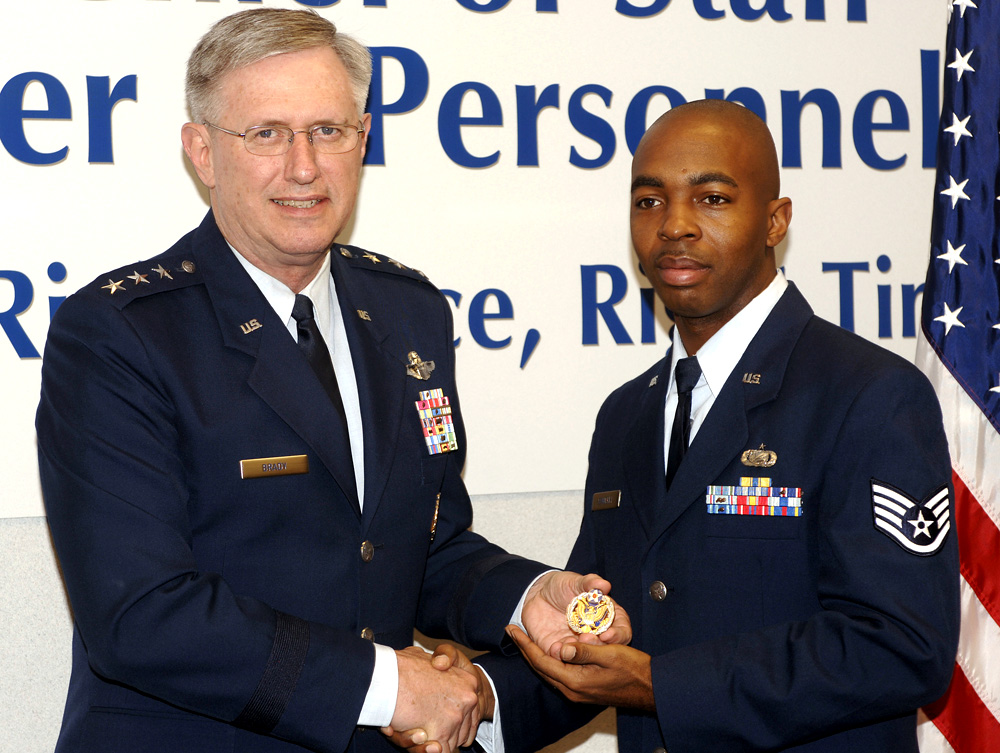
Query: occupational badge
(920, 527)
(759, 458)
(590, 612)
(434, 409)
(418, 368)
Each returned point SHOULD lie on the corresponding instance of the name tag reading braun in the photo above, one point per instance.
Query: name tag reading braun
(283, 465)
(590, 612)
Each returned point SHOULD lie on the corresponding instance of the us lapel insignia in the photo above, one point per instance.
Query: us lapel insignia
(250, 326)
(920, 527)
(749, 378)
(418, 368)
(759, 458)
(434, 409)
(363, 315)
(652, 382)
(754, 496)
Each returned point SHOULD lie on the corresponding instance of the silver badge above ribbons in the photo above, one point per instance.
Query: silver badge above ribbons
(418, 368)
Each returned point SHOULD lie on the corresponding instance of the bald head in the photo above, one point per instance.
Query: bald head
(731, 121)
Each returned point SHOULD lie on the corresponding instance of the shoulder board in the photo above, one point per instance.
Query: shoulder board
(157, 275)
(361, 259)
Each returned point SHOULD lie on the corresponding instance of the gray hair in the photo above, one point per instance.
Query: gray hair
(249, 36)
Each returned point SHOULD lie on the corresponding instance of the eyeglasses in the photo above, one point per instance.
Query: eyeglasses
(269, 141)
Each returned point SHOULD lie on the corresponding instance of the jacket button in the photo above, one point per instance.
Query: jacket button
(367, 551)
(659, 750)
(658, 591)
(368, 634)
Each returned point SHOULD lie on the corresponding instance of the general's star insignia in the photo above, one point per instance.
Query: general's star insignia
(374, 259)
(137, 278)
(113, 286)
(920, 527)
(393, 261)
(162, 272)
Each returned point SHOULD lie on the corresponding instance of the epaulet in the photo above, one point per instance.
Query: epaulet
(157, 275)
(362, 259)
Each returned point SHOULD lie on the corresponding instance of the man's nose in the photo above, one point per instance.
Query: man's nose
(300, 160)
(678, 222)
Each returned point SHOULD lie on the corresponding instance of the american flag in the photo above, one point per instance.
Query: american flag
(959, 350)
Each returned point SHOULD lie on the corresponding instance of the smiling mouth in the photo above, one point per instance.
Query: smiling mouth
(296, 204)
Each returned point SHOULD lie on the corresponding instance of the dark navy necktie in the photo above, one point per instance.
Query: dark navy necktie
(312, 345)
(686, 375)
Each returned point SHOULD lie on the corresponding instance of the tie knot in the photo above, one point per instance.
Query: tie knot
(302, 310)
(686, 373)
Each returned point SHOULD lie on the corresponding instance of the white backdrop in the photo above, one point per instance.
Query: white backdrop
(541, 226)
(548, 236)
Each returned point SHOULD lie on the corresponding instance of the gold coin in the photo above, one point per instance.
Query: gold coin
(590, 612)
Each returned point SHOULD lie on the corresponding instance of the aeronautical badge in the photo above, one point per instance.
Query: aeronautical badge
(434, 409)
(920, 527)
(590, 612)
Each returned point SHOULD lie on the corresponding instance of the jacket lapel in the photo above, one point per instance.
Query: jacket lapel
(642, 450)
(381, 377)
(280, 374)
(723, 436)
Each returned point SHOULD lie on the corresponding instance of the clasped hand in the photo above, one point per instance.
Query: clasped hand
(543, 616)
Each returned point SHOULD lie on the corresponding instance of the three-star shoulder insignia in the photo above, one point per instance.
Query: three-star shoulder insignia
(147, 281)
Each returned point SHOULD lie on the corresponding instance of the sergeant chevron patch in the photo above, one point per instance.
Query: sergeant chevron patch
(918, 527)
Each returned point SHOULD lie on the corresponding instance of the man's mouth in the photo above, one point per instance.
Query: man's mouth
(296, 204)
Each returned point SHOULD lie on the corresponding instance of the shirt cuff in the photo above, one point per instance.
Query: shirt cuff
(490, 735)
(515, 618)
(380, 703)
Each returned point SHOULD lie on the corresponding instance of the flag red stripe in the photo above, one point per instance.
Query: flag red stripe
(963, 719)
(978, 547)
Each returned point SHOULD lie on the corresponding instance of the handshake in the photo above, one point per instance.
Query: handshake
(443, 696)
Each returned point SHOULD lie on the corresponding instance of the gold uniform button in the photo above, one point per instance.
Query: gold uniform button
(657, 590)
(659, 750)
(368, 634)
(367, 551)
(188, 266)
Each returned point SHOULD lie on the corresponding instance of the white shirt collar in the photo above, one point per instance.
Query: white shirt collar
(719, 356)
(282, 299)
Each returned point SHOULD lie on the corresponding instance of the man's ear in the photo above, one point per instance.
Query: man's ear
(779, 218)
(198, 148)
(366, 123)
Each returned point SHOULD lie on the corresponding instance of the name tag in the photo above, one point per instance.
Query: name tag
(283, 465)
(606, 500)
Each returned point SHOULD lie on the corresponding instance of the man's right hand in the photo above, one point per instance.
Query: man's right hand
(446, 659)
(445, 704)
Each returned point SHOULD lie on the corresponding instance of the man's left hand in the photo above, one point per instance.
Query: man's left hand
(612, 675)
(544, 612)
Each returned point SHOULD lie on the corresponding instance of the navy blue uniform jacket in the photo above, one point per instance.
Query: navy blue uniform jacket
(220, 613)
(812, 633)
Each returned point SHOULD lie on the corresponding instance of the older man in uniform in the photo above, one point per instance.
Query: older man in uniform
(250, 447)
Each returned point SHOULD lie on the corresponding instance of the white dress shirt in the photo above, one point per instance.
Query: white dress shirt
(717, 358)
(380, 702)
